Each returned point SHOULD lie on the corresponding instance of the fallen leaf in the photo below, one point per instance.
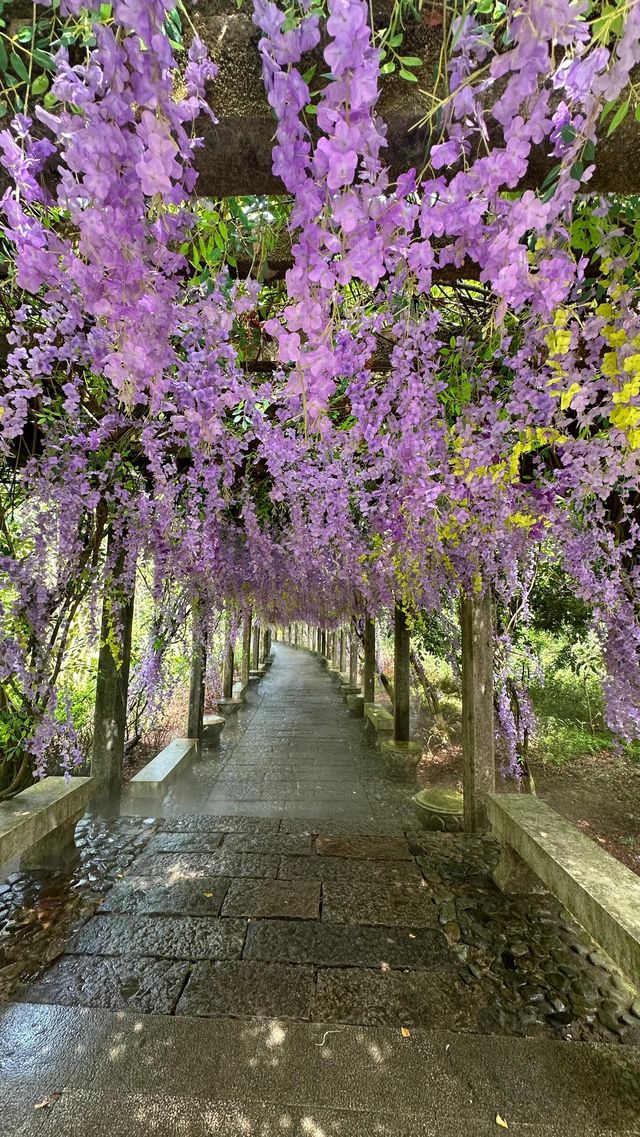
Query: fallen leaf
(405, 1033)
(207, 894)
(48, 1101)
(501, 1122)
(411, 936)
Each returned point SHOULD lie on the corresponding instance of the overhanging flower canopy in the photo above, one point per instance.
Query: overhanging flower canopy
(507, 414)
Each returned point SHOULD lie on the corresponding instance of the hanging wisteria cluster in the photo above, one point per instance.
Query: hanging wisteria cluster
(341, 481)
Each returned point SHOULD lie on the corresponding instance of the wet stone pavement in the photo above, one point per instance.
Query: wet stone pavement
(283, 877)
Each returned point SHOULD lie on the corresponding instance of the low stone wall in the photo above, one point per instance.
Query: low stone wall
(165, 767)
(38, 824)
(603, 894)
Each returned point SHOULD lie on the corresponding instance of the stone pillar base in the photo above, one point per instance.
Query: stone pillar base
(228, 707)
(212, 727)
(56, 848)
(355, 704)
(512, 874)
(401, 758)
(439, 810)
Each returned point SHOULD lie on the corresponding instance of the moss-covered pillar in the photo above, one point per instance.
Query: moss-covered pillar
(196, 682)
(246, 646)
(369, 672)
(478, 742)
(401, 676)
(112, 686)
(353, 658)
(255, 652)
(228, 663)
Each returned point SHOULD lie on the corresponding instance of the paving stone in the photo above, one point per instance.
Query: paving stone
(296, 844)
(256, 898)
(146, 986)
(332, 945)
(397, 903)
(348, 869)
(170, 937)
(185, 842)
(373, 848)
(357, 827)
(151, 896)
(224, 824)
(270, 990)
(433, 999)
(189, 865)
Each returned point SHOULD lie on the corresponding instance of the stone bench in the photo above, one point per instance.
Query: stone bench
(380, 718)
(38, 824)
(603, 895)
(165, 767)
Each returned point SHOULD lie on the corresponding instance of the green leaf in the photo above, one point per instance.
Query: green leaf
(411, 61)
(552, 176)
(44, 58)
(589, 152)
(18, 66)
(3, 57)
(388, 68)
(40, 85)
(408, 75)
(395, 41)
(618, 117)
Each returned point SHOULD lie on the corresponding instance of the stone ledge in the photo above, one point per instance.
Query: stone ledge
(165, 767)
(48, 809)
(602, 893)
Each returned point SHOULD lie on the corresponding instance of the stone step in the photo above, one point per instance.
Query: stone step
(108, 1074)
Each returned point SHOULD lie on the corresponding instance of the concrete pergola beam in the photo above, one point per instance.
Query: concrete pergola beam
(236, 156)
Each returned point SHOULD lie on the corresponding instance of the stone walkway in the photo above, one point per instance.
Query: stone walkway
(273, 949)
(293, 752)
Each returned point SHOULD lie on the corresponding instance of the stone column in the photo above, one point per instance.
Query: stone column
(268, 643)
(369, 676)
(196, 685)
(478, 738)
(246, 646)
(401, 676)
(228, 666)
(255, 654)
(342, 661)
(112, 687)
(263, 644)
(353, 659)
(323, 642)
